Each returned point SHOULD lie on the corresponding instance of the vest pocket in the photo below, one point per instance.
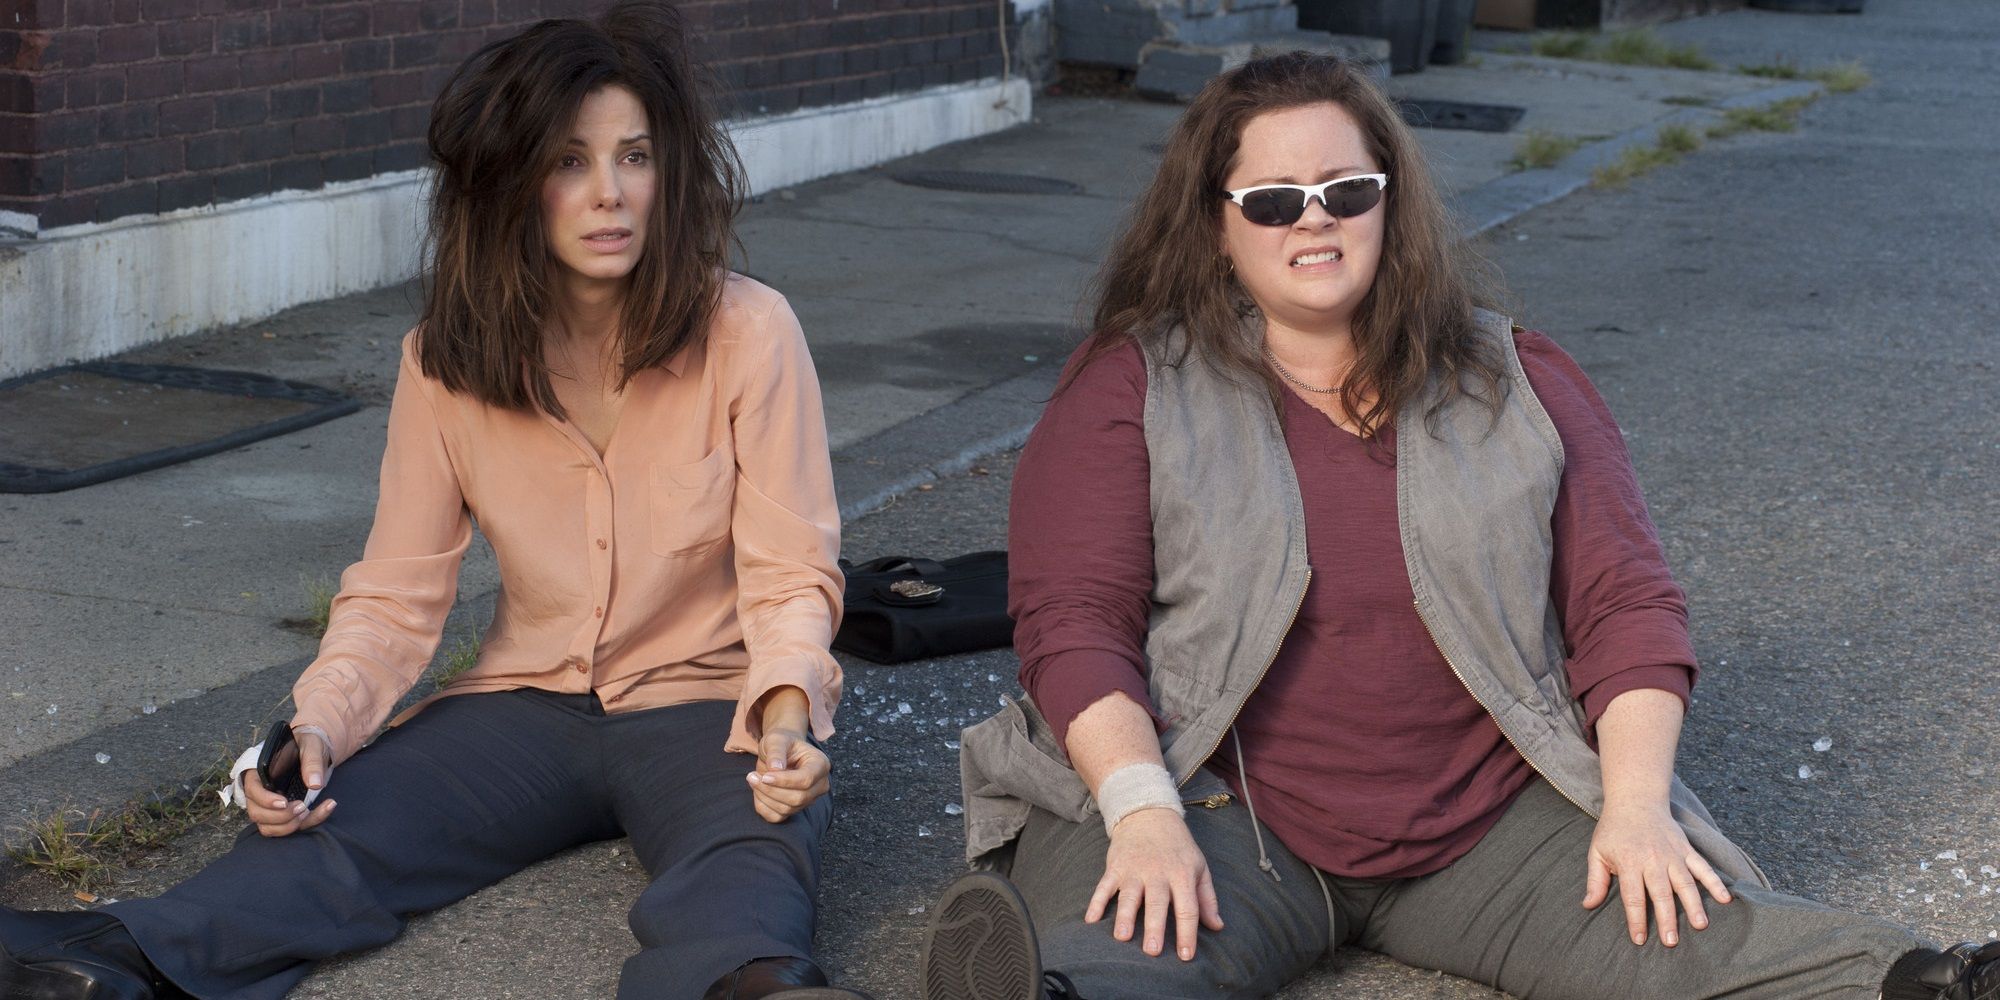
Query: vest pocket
(690, 504)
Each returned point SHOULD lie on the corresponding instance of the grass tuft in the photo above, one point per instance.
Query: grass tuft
(1641, 47)
(1783, 69)
(1843, 77)
(320, 592)
(1686, 101)
(461, 657)
(1562, 45)
(82, 852)
(1780, 117)
(1540, 148)
(1678, 139)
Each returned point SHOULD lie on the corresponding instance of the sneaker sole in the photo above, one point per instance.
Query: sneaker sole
(980, 944)
(26, 982)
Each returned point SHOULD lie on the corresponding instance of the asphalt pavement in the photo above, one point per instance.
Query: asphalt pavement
(1796, 330)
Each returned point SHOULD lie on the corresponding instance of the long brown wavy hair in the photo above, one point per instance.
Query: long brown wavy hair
(496, 132)
(1415, 326)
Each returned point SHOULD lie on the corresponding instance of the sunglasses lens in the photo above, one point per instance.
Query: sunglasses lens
(1348, 199)
(1274, 206)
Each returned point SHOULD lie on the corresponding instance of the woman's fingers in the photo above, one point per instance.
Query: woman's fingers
(317, 816)
(1130, 895)
(1597, 882)
(1661, 891)
(1632, 891)
(1187, 916)
(1211, 906)
(1158, 898)
(1101, 898)
(1707, 876)
(1688, 891)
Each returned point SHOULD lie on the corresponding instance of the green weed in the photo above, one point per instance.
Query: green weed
(461, 657)
(1780, 117)
(1539, 148)
(1562, 45)
(82, 852)
(1678, 139)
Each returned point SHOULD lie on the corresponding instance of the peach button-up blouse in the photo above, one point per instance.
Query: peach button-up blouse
(695, 559)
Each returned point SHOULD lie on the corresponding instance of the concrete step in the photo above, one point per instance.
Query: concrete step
(1176, 70)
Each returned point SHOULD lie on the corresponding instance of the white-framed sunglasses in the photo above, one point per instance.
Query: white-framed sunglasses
(1284, 204)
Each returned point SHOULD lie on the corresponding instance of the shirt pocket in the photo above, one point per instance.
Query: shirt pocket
(691, 502)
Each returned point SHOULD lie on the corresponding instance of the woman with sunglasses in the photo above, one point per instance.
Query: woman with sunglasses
(639, 435)
(1343, 622)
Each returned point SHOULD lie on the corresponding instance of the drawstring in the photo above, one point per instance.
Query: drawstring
(1263, 860)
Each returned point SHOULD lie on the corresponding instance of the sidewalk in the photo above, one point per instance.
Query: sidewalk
(938, 321)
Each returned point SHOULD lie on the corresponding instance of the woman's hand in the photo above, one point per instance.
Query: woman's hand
(1650, 855)
(277, 816)
(790, 774)
(1153, 861)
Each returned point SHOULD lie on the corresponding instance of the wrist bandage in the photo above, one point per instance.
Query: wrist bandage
(1135, 787)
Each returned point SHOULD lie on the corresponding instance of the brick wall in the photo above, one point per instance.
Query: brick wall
(113, 108)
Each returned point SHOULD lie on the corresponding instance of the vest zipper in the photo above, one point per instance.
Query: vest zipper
(1455, 672)
(1216, 801)
(1289, 622)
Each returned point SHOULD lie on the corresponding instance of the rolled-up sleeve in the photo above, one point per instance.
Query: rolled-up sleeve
(387, 619)
(1080, 544)
(1624, 618)
(785, 523)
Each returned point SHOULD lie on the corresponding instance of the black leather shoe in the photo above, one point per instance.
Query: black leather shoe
(775, 979)
(51, 955)
(980, 945)
(1962, 972)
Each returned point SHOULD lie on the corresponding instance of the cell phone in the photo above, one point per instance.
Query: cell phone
(291, 784)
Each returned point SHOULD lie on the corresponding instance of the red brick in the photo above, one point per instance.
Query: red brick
(417, 50)
(295, 102)
(170, 10)
(395, 17)
(14, 175)
(391, 89)
(127, 11)
(243, 31)
(295, 27)
(151, 159)
(347, 21)
(351, 166)
(365, 55)
(438, 15)
(131, 199)
(244, 182)
(185, 38)
(455, 46)
(516, 11)
(475, 13)
(410, 122)
(93, 168)
(127, 122)
(267, 67)
(69, 210)
(187, 191)
(151, 81)
(191, 114)
(246, 107)
(212, 73)
(317, 135)
(75, 49)
(403, 156)
(299, 174)
(343, 96)
(17, 134)
(265, 142)
(95, 88)
(315, 61)
(69, 130)
(87, 13)
(128, 43)
(212, 151)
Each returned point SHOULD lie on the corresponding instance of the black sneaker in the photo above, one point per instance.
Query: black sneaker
(55, 955)
(980, 944)
(1962, 972)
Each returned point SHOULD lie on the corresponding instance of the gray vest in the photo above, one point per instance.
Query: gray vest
(1474, 497)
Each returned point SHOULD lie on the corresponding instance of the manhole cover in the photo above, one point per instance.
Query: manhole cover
(985, 182)
(1460, 115)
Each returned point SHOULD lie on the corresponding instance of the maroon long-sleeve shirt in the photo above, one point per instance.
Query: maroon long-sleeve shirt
(1364, 753)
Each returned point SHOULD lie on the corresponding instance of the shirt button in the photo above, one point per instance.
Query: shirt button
(598, 613)
(581, 667)
(601, 543)
(616, 698)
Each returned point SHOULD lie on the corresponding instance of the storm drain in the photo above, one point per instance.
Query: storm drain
(1460, 115)
(985, 182)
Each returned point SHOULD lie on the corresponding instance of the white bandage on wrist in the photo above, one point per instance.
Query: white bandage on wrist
(1135, 787)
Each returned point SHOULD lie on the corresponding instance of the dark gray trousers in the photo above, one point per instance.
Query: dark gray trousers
(1508, 914)
(475, 788)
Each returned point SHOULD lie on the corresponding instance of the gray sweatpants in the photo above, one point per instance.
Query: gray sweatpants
(1507, 914)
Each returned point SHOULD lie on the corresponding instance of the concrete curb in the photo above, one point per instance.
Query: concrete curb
(922, 449)
(1505, 199)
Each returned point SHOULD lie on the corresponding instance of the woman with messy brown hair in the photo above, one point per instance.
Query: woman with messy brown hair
(638, 433)
(1342, 622)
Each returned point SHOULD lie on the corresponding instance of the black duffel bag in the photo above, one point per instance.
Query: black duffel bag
(903, 608)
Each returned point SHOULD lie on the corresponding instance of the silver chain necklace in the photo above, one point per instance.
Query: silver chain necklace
(1294, 379)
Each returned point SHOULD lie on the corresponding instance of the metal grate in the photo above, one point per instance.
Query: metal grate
(984, 182)
(1460, 115)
